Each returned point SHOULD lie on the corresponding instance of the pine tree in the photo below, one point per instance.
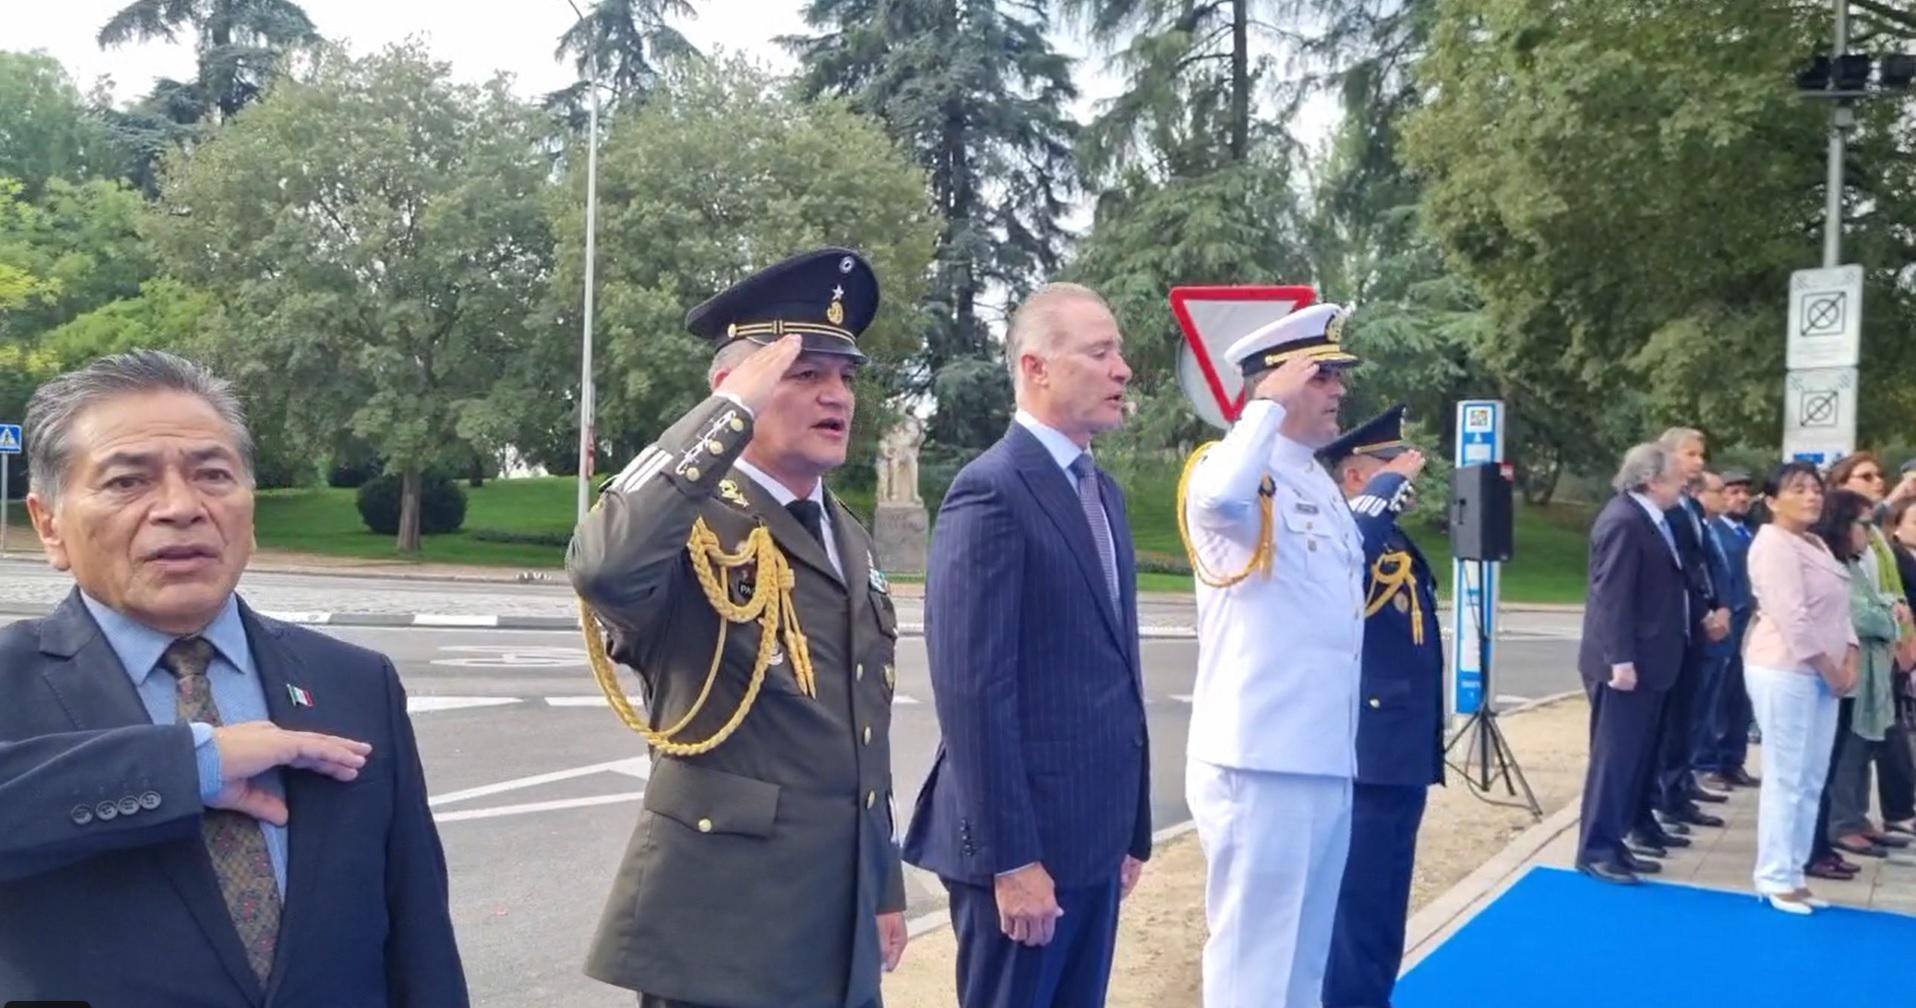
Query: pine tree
(974, 91)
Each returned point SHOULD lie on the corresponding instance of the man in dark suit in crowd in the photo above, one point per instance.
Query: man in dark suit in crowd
(1674, 791)
(1634, 631)
(1723, 720)
(204, 808)
(1400, 725)
(1036, 814)
(764, 868)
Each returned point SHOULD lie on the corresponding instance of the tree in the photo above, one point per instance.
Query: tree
(974, 91)
(721, 173)
(240, 42)
(241, 47)
(82, 243)
(630, 40)
(47, 130)
(1628, 186)
(375, 240)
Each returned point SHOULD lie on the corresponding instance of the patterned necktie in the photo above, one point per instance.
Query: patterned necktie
(811, 516)
(1092, 500)
(233, 839)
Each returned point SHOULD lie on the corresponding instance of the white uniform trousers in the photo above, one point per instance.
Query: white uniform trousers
(1275, 845)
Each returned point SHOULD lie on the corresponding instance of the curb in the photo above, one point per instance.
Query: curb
(935, 920)
(1432, 925)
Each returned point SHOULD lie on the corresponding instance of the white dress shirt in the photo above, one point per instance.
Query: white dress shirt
(1280, 657)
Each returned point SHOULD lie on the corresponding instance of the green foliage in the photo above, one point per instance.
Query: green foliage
(1627, 186)
(442, 504)
(718, 175)
(627, 41)
(22, 369)
(81, 245)
(974, 92)
(165, 315)
(376, 241)
(47, 130)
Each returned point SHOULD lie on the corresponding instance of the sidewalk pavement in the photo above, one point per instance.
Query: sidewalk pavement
(1722, 859)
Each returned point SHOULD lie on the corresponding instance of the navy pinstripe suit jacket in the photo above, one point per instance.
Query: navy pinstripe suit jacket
(1044, 754)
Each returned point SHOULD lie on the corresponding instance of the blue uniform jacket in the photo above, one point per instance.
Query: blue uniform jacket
(1400, 724)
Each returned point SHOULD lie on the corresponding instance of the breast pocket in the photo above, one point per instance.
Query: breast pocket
(1309, 537)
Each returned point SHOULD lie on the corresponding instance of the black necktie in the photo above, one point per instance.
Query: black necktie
(809, 515)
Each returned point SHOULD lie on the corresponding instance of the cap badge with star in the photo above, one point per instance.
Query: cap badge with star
(828, 296)
(1316, 331)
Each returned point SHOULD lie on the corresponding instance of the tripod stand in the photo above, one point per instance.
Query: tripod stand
(1484, 742)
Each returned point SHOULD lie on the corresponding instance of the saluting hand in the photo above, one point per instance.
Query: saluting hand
(754, 379)
(1407, 465)
(1282, 385)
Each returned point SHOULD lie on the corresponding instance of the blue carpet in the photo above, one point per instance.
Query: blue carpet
(1556, 939)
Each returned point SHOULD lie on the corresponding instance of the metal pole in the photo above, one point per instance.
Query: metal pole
(3, 506)
(591, 254)
(1839, 120)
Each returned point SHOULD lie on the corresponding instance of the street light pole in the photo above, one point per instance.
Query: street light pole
(1842, 116)
(586, 437)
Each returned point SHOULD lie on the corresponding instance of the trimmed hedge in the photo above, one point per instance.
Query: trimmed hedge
(442, 505)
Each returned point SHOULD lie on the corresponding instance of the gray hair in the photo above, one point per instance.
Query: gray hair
(1642, 466)
(1674, 438)
(58, 405)
(1035, 324)
(730, 356)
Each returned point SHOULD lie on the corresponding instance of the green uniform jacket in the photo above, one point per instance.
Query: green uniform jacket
(757, 870)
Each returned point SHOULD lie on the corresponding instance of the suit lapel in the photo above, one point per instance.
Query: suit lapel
(796, 540)
(1059, 501)
(1667, 547)
(95, 691)
(309, 822)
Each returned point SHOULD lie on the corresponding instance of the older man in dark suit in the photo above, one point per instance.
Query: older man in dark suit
(204, 807)
(1036, 814)
(1634, 631)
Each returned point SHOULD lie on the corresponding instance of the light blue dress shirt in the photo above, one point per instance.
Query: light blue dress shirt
(1063, 451)
(237, 694)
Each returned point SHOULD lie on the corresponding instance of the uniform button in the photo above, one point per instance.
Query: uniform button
(1375, 703)
(1312, 545)
(106, 811)
(150, 800)
(81, 815)
(129, 805)
(868, 734)
(714, 447)
(692, 473)
(737, 424)
(705, 825)
(871, 798)
(858, 672)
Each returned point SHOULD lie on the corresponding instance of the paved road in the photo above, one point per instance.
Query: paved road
(535, 784)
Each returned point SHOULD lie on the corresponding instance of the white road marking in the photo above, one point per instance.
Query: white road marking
(635, 766)
(584, 701)
(544, 806)
(422, 704)
(511, 656)
(453, 620)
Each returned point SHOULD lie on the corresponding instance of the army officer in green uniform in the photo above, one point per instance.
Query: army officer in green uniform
(764, 871)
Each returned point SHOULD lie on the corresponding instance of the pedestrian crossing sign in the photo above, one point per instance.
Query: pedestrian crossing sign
(9, 439)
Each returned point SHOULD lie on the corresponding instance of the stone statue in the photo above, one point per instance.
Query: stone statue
(898, 462)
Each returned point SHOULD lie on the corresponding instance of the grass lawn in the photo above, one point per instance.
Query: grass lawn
(1550, 562)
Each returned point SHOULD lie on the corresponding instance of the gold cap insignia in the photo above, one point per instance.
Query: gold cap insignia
(1335, 331)
(835, 313)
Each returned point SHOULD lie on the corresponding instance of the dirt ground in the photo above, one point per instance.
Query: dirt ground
(1161, 932)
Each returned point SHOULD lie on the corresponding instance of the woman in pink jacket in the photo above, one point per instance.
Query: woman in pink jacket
(1799, 657)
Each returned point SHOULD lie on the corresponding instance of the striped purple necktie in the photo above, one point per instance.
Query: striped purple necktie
(1092, 500)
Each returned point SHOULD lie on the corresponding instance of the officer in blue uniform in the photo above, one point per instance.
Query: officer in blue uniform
(1400, 714)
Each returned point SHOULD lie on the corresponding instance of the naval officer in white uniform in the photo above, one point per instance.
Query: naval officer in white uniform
(1280, 602)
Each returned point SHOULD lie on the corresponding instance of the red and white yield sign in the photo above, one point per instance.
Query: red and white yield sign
(1213, 318)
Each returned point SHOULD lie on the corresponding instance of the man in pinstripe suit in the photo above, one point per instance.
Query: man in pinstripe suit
(1036, 814)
